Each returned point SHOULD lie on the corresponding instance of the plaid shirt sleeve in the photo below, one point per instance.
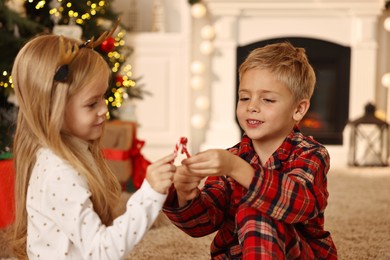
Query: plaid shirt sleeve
(296, 192)
(205, 213)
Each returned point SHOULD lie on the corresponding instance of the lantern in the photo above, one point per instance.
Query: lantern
(369, 143)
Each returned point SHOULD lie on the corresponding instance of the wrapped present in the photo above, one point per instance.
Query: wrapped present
(7, 180)
(117, 142)
(140, 163)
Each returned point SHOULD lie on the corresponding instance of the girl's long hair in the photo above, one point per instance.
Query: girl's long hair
(42, 103)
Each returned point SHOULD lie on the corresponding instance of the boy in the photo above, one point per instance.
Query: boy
(265, 196)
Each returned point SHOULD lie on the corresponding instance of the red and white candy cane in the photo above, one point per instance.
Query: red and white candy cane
(183, 144)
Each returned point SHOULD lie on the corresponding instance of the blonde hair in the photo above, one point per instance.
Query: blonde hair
(42, 103)
(288, 64)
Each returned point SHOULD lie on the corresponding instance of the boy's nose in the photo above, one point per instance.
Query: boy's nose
(253, 107)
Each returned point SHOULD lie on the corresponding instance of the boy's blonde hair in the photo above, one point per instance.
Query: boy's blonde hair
(42, 103)
(287, 63)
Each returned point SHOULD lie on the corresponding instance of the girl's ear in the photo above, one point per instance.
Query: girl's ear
(301, 109)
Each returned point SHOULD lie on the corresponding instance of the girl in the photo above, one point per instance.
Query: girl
(66, 196)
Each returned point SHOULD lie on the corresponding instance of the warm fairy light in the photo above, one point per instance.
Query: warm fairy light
(198, 10)
(386, 80)
(202, 102)
(6, 84)
(386, 24)
(197, 82)
(207, 32)
(197, 67)
(198, 121)
(40, 4)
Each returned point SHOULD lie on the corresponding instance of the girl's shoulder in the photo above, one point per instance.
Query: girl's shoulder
(47, 158)
(48, 165)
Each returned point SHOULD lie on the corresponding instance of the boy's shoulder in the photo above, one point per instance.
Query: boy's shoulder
(302, 144)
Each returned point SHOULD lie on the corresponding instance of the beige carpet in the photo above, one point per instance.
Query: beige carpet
(358, 216)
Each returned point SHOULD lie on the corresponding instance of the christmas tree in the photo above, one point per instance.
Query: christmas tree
(20, 20)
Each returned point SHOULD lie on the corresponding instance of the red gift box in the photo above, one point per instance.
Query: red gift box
(117, 142)
(122, 150)
(7, 182)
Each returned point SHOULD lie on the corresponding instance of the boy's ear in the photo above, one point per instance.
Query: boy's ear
(301, 108)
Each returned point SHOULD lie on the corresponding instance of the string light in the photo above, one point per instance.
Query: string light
(386, 80)
(207, 32)
(197, 83)
(198, 10)
(197, 67)
(206, 48)
(198, 121)
(202, 103)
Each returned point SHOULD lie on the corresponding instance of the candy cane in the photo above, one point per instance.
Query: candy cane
(183, 144)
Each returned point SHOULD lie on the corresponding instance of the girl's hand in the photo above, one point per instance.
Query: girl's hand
(160, 174)
(186, 185)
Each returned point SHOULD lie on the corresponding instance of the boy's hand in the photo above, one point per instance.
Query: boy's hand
(160, 174)
(213, 162)
(186, 185)
(219, 162)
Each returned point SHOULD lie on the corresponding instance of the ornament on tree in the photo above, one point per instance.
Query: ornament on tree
(119, 80)
(108, 45)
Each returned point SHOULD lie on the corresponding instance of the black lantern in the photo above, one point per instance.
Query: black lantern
(369, 144)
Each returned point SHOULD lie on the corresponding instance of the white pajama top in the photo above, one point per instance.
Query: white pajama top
(63, 225)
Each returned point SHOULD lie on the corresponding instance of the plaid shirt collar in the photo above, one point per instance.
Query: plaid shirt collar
(246, 151)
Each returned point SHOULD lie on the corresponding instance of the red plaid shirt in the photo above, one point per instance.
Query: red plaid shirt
(280, 216)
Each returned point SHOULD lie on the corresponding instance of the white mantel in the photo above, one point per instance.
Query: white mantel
(350, 23)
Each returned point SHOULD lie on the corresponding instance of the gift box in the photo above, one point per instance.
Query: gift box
(7, 180)
(117, 142)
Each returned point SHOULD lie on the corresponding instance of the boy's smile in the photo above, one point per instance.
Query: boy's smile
(253, 123)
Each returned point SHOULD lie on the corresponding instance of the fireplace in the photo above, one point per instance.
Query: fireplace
(348, 25)
(328, 113)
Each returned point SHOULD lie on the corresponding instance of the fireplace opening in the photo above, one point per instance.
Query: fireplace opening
(329, 108)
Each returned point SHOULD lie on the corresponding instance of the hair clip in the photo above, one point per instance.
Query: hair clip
(84, 44)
